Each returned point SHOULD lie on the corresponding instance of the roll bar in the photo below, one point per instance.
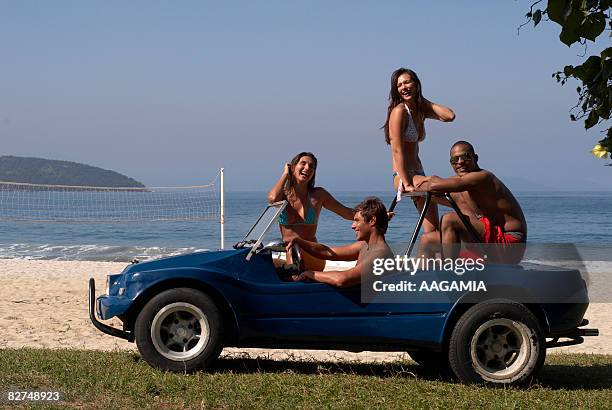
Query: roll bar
(419, 224)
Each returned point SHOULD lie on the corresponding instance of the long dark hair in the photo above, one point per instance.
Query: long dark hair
(289, 186)
(418, 114)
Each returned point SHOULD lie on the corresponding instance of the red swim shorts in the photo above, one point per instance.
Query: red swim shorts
(495, 234)
(509, 250)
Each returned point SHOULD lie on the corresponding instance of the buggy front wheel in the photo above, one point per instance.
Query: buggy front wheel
(179, 330)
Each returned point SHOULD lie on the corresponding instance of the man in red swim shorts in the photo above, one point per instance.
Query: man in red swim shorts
(489, 205)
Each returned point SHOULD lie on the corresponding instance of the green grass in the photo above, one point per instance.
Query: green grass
(100, 379)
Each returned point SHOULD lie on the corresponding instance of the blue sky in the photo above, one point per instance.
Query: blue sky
(168, 92)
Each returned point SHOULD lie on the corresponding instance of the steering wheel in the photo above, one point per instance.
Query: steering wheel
(277, 246)
(296, 258)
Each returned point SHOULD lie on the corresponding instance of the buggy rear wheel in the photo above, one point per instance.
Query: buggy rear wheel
(497, 342)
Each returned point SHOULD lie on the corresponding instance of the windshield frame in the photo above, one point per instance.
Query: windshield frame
(280, 205)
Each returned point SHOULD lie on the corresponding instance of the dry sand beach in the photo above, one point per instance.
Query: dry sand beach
(43, 304)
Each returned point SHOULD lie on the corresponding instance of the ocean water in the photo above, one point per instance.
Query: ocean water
(584, 219)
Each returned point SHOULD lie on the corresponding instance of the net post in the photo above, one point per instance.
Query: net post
(222, 213)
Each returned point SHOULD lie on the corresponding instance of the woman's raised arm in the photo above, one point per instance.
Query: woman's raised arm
(439, 112)
(277, 192)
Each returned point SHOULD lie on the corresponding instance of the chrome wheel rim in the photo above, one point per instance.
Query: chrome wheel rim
(180, 331)
(500, 349)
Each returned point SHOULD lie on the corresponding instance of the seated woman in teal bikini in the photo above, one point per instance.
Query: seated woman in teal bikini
(305, 201)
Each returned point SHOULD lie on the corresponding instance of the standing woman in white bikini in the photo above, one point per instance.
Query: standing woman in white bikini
(405, 128)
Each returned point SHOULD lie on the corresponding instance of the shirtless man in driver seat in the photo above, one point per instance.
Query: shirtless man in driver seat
(370, 225)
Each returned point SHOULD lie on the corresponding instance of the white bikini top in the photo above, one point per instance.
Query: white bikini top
(411, 134)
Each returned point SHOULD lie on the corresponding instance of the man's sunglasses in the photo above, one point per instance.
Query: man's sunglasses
(464, 157)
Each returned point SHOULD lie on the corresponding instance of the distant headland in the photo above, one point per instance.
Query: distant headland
(53, 172)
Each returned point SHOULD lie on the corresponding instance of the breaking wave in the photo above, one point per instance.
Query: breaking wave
(106, 253)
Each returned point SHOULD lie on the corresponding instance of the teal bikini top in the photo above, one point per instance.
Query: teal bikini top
(310, 218)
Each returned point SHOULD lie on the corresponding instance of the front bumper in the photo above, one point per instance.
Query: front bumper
(129, 336)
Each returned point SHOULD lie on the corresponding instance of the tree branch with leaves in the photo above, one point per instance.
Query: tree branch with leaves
(583, 20)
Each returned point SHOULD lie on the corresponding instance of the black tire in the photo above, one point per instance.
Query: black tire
(497, 342)
(179, 330)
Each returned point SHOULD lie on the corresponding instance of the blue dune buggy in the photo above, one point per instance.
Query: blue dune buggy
(181, 311)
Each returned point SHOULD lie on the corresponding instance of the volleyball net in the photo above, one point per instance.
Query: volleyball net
(93, 204)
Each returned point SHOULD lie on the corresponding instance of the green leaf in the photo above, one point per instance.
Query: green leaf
(606, 70)
(568, 70)
(607, 142)
(568, 37)
(579, 73)
(592, 26)
(574, 20)
(588, 70)
(537, 17)
(556, 10)
(591, 120)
